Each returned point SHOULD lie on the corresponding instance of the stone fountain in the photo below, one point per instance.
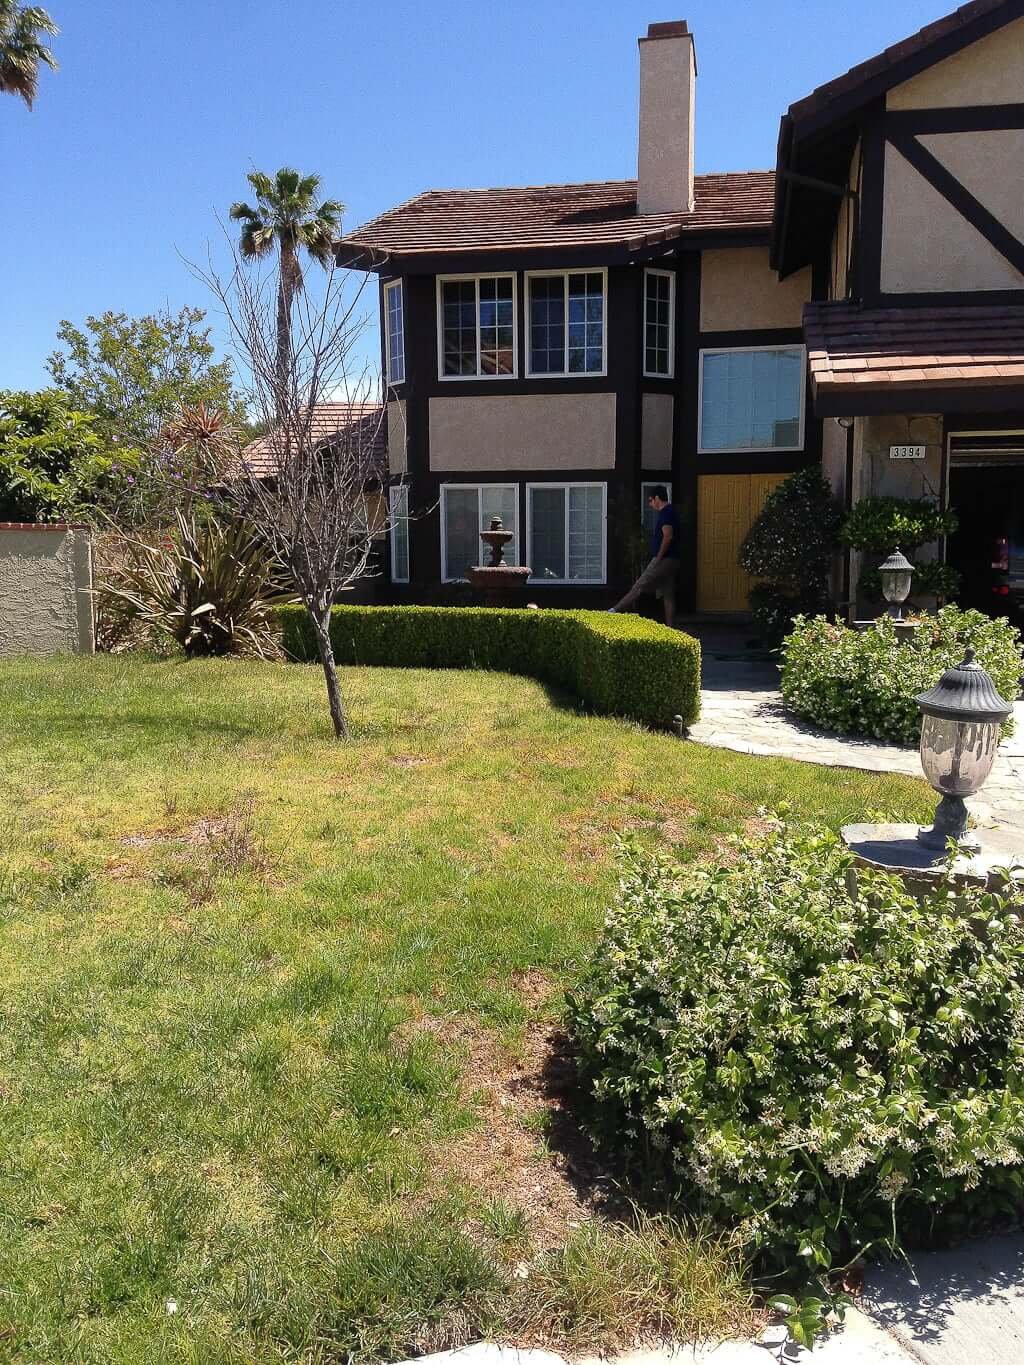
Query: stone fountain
(500, 584)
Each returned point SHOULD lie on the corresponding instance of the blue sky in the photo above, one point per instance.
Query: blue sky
(160, 108)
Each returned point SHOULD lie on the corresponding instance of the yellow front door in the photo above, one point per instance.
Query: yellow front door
(727, 505)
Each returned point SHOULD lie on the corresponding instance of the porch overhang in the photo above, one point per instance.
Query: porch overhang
(873, 361)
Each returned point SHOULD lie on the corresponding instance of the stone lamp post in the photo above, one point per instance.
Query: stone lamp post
(961, 715)
(896, 573)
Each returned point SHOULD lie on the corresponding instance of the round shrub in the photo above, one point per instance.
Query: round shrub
(794, 537)
(830, 1070)
(864, 682)
(884, 524)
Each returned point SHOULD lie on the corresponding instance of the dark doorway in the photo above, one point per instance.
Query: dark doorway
(987, 493)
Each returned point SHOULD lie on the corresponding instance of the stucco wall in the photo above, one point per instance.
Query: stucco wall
(881, 476)
(833, 456)
(398, 457)
(45, 582)
(990, 71)
(665, 144)
(535, 432)
(656, 431)
(927, 246)
(739, 291)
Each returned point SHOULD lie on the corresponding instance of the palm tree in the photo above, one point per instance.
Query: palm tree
(287, 216)
(20, 49)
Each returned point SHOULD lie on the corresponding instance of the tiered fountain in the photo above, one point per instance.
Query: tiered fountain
(501, 584)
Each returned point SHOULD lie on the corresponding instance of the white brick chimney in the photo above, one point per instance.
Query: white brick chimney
(668, 78)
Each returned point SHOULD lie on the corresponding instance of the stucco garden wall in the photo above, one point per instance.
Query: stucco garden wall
(45, 584)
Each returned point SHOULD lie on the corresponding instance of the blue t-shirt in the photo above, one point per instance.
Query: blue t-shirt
(668, 516)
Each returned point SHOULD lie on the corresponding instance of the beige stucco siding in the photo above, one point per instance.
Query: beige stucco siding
(990, 71)
(927, 246)
(740, 291)
(45, 584)
(535, 432)
(989, 164)
(833, 456)
(398, 456)
(656, 431)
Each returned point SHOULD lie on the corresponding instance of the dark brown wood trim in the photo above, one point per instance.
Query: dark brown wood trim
(1011, 248)
(979, 298)
(868, 255)
(966, 118)
(757, 336)
(684, 469)
(901, 399)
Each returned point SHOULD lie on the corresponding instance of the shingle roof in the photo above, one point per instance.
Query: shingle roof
(890, 63)
(329, 422)
(853, 350)
(545, 216)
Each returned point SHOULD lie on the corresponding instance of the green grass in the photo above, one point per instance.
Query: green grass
(213, 920)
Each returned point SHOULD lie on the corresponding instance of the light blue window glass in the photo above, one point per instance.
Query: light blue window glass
(752, 400)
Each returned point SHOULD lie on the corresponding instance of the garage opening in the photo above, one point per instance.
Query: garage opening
(986, 488)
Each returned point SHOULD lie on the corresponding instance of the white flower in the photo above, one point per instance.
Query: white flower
(171, 1306)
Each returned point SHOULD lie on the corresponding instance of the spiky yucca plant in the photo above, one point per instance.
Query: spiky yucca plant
(210, 588)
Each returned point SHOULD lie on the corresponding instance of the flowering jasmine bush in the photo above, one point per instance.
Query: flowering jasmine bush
(864, 682)
(829, 1066)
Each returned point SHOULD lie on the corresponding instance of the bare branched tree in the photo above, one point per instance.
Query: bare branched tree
(310, 492)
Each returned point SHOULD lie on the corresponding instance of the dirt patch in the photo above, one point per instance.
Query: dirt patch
(192, 857)
(408, 760)
(527, 1149)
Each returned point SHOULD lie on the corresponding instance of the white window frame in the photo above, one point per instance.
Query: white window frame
(511, 550)
(389, 358)
(571, 483)
(461, 279)
(743, 350)
(399, 494)
(567, 374)
(670, 275)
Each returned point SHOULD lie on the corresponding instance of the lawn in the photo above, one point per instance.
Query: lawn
(274, 1009)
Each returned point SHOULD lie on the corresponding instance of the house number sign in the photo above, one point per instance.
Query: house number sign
(906, 452)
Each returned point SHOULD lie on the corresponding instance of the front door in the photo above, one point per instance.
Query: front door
(727, 505)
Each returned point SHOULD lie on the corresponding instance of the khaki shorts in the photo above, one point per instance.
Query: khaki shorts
(660, 577)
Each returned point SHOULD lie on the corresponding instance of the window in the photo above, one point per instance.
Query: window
(567, 333)
(476, 326)
(752, 399)
(659, 323)
(399, 500)
(566, 532)
(466, 510)
(394, 313)
(648, 515)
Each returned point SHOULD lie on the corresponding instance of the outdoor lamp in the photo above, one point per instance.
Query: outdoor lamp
(896, 573)
(959, 736)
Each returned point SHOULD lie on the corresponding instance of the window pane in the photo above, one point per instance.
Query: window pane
(547, 532)
(458, 326)
(496, 339)
(501, 502)
(462, 530)
(751, 399)
(658, 324)
(586, 532)
(400, 534)
(586, 307)
(396, 334)
(547, 324)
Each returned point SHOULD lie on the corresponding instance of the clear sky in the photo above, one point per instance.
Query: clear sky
(161, 106)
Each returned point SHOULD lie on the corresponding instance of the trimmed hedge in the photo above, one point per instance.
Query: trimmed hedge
(623, 665)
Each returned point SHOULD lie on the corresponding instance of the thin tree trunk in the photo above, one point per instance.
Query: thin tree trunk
(285, 290)
(321, 627)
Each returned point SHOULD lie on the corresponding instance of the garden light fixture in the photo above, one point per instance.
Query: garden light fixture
(896, 573)
(961, 714)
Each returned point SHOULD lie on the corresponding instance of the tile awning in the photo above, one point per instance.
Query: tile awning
(869, 360)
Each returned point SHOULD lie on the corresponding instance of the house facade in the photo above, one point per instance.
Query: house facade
(552, 352)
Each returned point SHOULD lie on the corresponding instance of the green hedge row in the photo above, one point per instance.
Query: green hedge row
(622, 665)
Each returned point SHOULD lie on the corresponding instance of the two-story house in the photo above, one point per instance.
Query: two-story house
(551, 352)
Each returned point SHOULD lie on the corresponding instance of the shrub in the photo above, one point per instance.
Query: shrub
(884, 524)
(828, 1065)
(791, 545)
(623, 665)
(865, 682)
(931, 578)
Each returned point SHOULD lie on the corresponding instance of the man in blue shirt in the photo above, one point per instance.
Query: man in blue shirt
(660, 575)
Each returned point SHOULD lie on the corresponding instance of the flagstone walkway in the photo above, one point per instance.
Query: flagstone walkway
(741, 709)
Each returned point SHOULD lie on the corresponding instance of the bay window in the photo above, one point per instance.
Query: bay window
(466, 510)
(752, 399)
(566, 312)
(394, 316)
(566, 532)
(659, 323)
(476, 326)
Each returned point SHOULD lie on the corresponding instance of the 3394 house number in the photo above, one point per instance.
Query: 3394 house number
(906, 452)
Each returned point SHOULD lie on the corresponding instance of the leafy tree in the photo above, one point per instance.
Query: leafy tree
(134, 374)
(21, 52)
(52, 459)
(287, 216)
